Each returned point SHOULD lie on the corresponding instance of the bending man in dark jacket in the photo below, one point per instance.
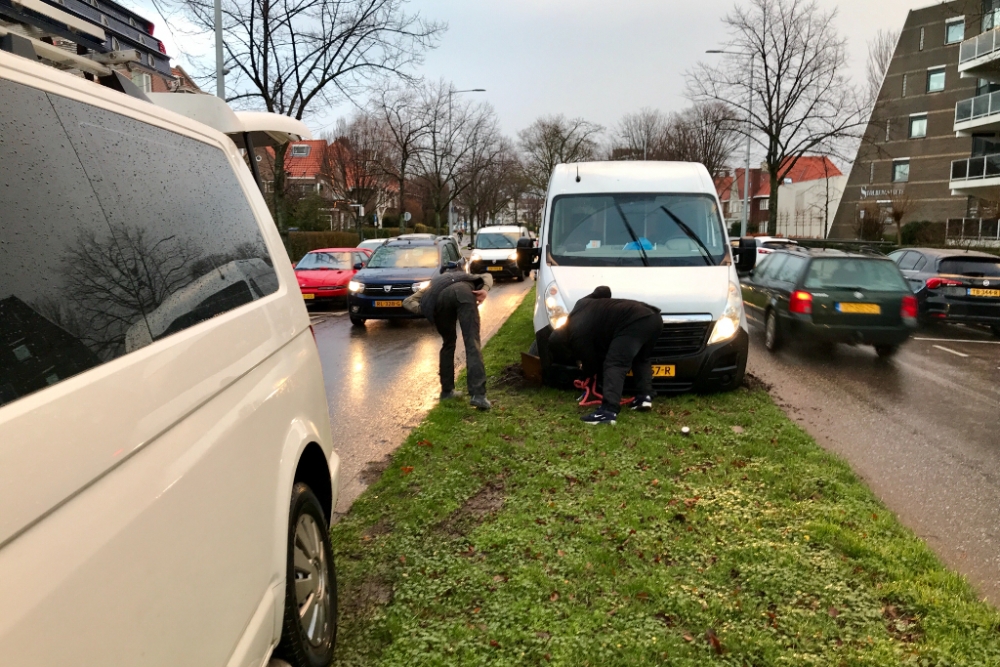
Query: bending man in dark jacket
(609, 337)
(451, 298)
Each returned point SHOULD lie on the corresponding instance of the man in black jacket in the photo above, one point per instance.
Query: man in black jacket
(608, 337)
(451, 298)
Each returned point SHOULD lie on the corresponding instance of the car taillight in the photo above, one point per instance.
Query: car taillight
(909, 309)
(934, 283)
(150, 28)
(801, 303)
(163, 49)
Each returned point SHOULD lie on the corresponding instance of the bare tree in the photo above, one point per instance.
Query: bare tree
(553, 140)
(640, 136)
(705, 133)
(493, 183)
(355, 163)
(800, 95)
(880, 51)
(406, 123)
(901, 204)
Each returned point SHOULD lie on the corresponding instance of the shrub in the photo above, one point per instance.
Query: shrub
(923, 232)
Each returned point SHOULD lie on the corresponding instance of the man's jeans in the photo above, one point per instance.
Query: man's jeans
(457, 305)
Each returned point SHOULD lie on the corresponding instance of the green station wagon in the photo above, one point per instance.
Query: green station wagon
(831, 296)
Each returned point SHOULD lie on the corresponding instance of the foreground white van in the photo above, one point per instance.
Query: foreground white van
(651, 231)
(167, 472)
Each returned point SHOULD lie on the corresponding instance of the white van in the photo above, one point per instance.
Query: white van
(167, 472)
(651, 231)
(495, 251)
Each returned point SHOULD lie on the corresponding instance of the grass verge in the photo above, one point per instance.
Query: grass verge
(524, 537)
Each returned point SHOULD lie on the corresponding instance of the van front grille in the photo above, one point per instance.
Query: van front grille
(681, 339)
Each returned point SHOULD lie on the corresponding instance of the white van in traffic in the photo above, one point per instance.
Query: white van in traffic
(495, 251)
(167, 472)
(651, 231)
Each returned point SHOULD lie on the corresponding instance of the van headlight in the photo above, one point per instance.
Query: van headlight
(355, 286)
(727, 325)
(555, 307)
(512, 256)
(475, 257)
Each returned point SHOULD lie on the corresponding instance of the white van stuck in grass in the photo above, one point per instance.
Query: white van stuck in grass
(167, 471)
(651, 231)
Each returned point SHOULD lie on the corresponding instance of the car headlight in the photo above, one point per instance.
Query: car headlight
(512, 256)
(475, 257)
(416, 287)
(727, 325)
(355, 286)
(555, 307)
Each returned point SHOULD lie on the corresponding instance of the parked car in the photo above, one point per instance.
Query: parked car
(371, 244)
(395, 271)
(833, 297)
(767, 244)
(653, 232)
(323, 275)
(496, 251)
(952, 285)
(167, 470)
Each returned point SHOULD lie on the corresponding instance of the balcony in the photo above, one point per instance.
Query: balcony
(974, 175)
(978, 114)
(979, 57)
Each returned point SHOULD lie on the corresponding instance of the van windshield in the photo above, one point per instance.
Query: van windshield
(637, 230)
(496, 240)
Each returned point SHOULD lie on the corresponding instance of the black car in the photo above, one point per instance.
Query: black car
(833, 297)
(396, 270)
(953, 286)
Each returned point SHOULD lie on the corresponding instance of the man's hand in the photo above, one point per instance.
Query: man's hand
(480, 295)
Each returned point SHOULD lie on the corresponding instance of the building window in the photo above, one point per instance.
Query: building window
(935, 80)
(115, 44)
(300, 150)
(901, 171)
(871, 173)
(888, 128)
(765, 204)
(954, 30)
(904, 85)
(143, 81)
(921, 47)
(104, 20)
(918, 126)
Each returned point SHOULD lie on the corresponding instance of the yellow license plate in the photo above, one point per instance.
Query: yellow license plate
(661, 371)
(494, 268)
(388, 304)
(308, 296)
(861, 308)
(976, 291)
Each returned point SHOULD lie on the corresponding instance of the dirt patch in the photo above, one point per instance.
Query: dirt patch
(903, 626)
(374, 469)
(380, 527)
(511, 376)
(752, 382)
(486, 502)
(363, 600)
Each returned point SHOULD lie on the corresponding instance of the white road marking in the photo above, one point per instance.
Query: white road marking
(953, 340)
(955, 352)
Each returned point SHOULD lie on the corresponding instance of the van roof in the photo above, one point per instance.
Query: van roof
(499, 229)
(637, 176)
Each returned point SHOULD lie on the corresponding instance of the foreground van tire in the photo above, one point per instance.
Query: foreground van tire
(309, 625)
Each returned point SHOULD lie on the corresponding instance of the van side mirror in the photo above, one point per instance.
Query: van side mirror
(528, 256)
(450, 266)
(746, 258)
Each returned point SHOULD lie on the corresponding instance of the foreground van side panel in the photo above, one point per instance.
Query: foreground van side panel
(165, 560)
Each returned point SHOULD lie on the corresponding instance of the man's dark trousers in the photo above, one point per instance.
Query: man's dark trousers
(457, 304)
(631, 348)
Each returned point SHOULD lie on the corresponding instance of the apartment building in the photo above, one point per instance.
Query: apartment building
(905, 160)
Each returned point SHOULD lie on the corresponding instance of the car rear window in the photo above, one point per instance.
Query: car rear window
(113, 234)
(980, 267)
(877, 275)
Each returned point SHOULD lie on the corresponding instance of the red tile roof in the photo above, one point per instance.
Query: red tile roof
(806, 168)
(724, 186)
(308, 166)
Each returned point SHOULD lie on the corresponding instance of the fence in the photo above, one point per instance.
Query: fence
(979, 231)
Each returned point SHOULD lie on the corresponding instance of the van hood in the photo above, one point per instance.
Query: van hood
(672, 289)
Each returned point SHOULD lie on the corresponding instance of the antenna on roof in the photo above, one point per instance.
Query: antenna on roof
(577, 172)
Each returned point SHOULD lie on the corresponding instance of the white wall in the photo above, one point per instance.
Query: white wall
(801, 206)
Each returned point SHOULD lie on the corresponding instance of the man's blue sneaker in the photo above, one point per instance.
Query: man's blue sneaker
(600, 416)
(642, 403)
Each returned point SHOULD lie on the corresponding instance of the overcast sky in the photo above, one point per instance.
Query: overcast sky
(597, 59)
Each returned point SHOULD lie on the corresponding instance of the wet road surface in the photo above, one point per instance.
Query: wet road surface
(382, 379)
(922, 430)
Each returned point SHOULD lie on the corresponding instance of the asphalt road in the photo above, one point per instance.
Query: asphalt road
(382, 379)
(922, 430)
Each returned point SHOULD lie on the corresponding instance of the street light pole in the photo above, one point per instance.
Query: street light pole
(220, 75)
(451, 207)
(746, 170)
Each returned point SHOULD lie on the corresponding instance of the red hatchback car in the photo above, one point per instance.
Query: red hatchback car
(323, 274)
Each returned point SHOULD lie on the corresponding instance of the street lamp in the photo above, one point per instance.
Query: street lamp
(361, 220)
(451, 207)
(746, 171)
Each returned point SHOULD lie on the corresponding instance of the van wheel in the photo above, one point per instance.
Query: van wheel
(519, 277)
(996, 330)
(358, 321)
(886, 351)
(772, 332)
(309, 627)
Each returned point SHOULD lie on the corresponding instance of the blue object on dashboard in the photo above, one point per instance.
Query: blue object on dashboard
(646, 244)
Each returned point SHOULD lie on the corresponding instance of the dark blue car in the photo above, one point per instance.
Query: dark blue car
(395, 271)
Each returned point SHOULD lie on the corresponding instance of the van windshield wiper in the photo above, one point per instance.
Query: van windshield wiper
(631, 232)
(706, 254)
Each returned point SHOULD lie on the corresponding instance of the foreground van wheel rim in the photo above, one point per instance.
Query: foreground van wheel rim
(312, 587)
